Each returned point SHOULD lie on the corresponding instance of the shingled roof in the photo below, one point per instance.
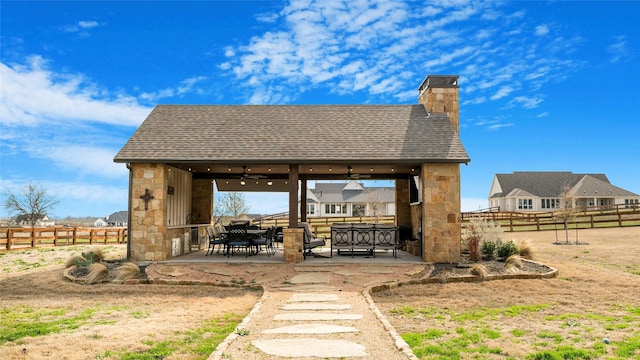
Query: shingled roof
(294, 133)
(552, 184)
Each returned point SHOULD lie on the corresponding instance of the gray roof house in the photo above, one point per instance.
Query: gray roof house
(180, 151)
(118, 218)
(546, 191)
(350, 199)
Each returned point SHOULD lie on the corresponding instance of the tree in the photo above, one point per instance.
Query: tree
(376, 207)
(234, 204)
(33, 204)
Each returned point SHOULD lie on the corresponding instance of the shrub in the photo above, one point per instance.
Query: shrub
(513, 263)
(126, 271)
(97, 273)
(506, 249)
(481, 237)
(479, 270)
(526, 249)
(488, 248)
(73, 260)
(86, 260)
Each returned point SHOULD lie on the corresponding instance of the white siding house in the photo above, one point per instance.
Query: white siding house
(546, 191)
(350, 199)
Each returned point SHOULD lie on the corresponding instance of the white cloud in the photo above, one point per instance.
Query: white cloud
(542, 30)
(527, 102)
(618, 50)
(61, 97)
(186, 86)
(383, 48)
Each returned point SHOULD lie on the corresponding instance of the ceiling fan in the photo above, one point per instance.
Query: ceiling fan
(351, 176)
(245, 175)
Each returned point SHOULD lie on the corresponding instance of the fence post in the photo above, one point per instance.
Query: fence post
(75, 234)
(619, 219)
(9, 238)
(33, 237)
(55, 236)
(591, 220)
(511, 224)
(537, 223)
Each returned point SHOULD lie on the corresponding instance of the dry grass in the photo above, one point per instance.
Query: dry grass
(97, 273)
(125, 272)
(479, 270)
(71, 261)
(122, 318)
(525, 249)
(595, 296)
(513, 263)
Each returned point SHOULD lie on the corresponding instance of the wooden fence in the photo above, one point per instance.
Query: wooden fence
(23, 238)
(584, 218)
(322, 226)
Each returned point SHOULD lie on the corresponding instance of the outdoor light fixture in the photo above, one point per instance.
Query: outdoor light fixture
(329, 168)
(229, 168)
(392, 170)
(208, 169)
(269, 168)
(242, 182)
(269, 183)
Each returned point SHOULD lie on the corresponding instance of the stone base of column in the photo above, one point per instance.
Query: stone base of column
(292, 245)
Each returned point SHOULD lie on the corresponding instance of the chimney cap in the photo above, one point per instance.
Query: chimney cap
(439, 81)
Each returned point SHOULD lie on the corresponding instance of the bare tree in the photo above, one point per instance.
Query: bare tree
(34, 203)
(567, 210)
(233, 204)
(376, 207)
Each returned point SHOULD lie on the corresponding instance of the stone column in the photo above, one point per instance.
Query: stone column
(441, 213)
(292, 245)
(202, 201)
(148, 228)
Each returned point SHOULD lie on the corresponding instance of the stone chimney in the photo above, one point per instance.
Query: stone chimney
(439, 94)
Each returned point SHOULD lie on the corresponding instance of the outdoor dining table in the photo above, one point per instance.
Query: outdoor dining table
(253, 233)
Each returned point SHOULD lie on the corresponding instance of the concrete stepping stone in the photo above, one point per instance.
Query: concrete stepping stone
(313, 297)
(310, 278)
(316, 306)
(303, 316)
(311, 329)
(317, 348)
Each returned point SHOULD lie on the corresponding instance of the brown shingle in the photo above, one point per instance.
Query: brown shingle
(293, 133)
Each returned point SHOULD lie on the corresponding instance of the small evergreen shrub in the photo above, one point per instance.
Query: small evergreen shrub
(85, 261)
(488, 248)
(506, 249)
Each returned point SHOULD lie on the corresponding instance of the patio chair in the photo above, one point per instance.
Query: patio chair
(342, 237)
(215, 238)
(278, 236)
(363, 238)
(386, 237)
(310, 241)
(238, 238)
(266, 241)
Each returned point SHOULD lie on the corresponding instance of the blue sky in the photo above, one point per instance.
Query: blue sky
(544, 86)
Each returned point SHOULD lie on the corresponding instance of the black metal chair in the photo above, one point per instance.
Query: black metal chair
(215, 238)
(238, 238)
(266, 241)
(278, 236)
(386, 238)
(341, 238)
(363, 238)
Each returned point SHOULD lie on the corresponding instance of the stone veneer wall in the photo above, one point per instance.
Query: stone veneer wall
(292, 245)
(403, 209)
(202, 201)
(441, 213)
(442, 100)
(149, 240)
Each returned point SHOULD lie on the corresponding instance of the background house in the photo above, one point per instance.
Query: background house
(350, 199)
(41, 221)
(118, 218)
(548, 191)
(99, 222)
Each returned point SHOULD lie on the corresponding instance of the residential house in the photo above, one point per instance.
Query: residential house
(40, 220)
(99, 222)
(350, 199)
(118, 218)
(541, 191)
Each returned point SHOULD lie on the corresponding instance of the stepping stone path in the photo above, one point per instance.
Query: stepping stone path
(312, 320)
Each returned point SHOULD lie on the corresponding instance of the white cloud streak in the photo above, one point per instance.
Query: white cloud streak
(60, 97)
(382, 47)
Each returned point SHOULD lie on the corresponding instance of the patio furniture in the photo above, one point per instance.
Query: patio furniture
(278, 236)
(342, 237)
(310, 241)
(386, 238)
(363, 238)
(266, 241)
(238, 238)
(215, 238)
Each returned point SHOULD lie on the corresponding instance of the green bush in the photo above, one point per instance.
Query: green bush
(86, 260)
(489, 247)
(506, 249)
